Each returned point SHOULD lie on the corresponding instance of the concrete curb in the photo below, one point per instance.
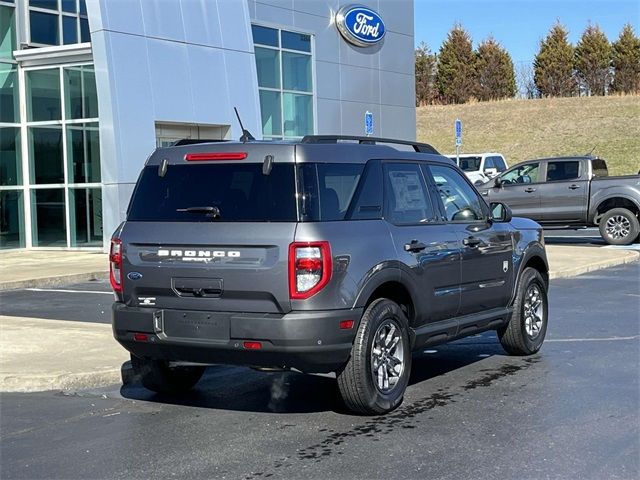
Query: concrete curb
(56, 281)
(66, 382)
(627, 257)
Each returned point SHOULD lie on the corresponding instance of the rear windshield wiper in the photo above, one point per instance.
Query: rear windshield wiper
(209, 211)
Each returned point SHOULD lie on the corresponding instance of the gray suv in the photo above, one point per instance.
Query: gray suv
(330, 254)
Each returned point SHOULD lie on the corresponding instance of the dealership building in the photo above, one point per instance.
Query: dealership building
(89, 89)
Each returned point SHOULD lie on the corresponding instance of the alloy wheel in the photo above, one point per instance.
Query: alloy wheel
(387, 356)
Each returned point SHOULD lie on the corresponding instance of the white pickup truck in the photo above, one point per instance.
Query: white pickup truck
(481, 167)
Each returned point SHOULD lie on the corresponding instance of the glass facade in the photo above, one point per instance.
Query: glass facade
(58, 22)
(7, 31)
(285, 81)
(50, 181)
(12, 220)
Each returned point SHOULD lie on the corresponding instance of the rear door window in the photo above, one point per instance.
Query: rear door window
(406, 197)
(559, 171)
(241, 193)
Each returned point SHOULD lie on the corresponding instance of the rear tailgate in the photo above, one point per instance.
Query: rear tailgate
(211, 235)
(229, 267)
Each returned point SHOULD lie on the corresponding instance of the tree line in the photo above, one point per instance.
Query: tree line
(457, 73)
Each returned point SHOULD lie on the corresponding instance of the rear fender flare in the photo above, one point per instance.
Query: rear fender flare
(381, 274)
(619, 192)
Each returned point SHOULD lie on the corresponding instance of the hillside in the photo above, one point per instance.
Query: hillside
(524, 129)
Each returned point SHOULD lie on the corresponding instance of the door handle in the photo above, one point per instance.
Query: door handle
(530, 190)
(471, 242)
(414, 246)
(573, 187)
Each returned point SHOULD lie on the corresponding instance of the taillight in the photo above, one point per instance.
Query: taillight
(309, 268)
(115, 265)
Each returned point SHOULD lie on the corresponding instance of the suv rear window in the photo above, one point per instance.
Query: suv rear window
(240, 191)
(470, 164)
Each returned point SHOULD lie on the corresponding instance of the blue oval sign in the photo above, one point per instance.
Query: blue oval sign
(134, 275)
(360, 26)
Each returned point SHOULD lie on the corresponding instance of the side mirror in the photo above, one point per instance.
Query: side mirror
(491, 172)
(500, 212)
(497, 182)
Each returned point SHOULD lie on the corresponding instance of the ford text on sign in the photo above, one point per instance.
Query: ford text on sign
(360, 26)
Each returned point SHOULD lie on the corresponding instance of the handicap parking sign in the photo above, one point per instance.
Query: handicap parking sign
(368, 123)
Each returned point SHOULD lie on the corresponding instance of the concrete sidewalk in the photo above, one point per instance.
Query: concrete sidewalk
(569, 261)
(48, 268)
(37, 354)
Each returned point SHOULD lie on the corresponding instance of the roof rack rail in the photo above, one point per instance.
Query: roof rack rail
(418, 147)
(194, 141)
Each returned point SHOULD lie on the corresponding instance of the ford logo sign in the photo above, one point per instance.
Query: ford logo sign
(360, 26)
(134, 275)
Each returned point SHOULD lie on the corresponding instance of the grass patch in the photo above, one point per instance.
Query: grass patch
(526, 129)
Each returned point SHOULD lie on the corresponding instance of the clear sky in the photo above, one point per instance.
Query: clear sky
(519, 25)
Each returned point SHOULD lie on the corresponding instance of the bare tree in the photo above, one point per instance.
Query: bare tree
(525, 81)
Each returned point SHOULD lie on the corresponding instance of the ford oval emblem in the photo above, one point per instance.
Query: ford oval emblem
(360, 26)
(134, 275)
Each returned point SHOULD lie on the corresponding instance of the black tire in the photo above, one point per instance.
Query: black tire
(516, 338)
(158, 376)
(623, 229)
(356, 381)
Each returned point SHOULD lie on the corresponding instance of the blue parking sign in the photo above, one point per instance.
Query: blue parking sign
(458, 131)
(368, 123)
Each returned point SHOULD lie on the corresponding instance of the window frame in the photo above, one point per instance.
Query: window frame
(282, 91)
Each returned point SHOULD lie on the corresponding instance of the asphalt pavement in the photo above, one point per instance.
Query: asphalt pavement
(81, 302)
(471, 411)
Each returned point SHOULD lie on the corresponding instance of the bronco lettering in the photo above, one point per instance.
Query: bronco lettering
(198, 253)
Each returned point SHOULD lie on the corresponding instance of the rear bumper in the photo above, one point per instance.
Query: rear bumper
(308, 341)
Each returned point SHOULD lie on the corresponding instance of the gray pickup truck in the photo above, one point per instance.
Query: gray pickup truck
(571, 192)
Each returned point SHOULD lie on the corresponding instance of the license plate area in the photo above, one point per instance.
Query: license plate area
(191, 325)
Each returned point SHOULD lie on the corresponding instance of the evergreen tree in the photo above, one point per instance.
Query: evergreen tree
(495, 78)
(626, 62)
(553, 65)
(455, 72)
(593, 61)
(425, 75)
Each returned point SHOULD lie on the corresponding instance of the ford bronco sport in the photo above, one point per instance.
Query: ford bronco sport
(330, 254)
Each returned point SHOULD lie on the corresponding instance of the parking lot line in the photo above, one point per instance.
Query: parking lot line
(606, 339)
(65, 291)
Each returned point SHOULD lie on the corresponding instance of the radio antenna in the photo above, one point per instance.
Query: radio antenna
(246, 135)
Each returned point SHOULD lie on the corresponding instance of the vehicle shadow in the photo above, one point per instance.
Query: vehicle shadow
(243, 389)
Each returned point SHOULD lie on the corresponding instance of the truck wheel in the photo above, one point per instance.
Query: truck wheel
(159, 376)
(375, 377)
(619, 226)
(527, 328)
